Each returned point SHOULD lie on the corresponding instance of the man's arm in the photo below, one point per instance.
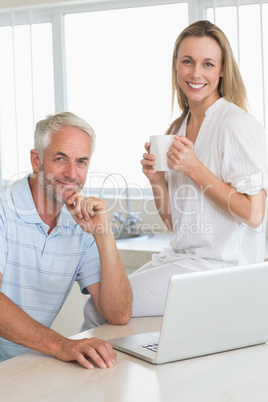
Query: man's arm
(113, 295)
(16, 326)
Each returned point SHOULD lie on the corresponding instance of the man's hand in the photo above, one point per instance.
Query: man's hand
(89, 212)
(31, 334)
(99, 351)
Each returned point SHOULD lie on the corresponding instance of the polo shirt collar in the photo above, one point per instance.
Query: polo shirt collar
(65, 218)
(24, 205)
(23, 201)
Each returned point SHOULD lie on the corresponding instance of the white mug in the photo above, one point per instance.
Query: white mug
(159, 147)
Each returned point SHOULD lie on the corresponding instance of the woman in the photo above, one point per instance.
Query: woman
(214, 198)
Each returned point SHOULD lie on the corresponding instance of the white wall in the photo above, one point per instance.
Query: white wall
(8, 4)
(23, 3)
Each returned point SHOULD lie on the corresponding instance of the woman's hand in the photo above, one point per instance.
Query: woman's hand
(181, 155)
(243, 207)
(148, 163)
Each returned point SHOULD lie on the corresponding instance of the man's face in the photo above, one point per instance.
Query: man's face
(65, 164)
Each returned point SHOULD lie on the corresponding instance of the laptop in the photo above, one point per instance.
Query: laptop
(207, 312)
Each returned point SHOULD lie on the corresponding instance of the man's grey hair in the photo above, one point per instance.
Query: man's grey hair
(55, 122)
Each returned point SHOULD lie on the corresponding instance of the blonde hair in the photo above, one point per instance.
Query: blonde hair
(231, 85)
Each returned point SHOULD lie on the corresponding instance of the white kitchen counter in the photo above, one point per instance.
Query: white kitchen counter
(237, 375)
(154, 243)
(136, 252)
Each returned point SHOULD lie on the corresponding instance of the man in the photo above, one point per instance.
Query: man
(50, 236)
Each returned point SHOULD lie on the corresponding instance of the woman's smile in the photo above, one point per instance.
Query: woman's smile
(196, 86)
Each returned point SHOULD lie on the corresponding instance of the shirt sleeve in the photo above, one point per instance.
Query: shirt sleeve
(3, 245)
(89, 270)
(244, 154)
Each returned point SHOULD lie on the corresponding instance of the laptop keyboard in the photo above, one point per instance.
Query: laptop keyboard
(152, 346)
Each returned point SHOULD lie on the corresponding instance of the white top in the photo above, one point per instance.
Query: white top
(232, 145)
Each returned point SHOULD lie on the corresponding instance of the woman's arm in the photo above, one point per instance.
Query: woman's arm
(245, 208)
(159, 187)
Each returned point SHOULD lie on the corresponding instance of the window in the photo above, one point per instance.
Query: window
(26, 92)
(119, 80)
(110, 62)
(250, 45)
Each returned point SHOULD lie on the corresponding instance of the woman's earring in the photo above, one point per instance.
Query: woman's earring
(186, 104)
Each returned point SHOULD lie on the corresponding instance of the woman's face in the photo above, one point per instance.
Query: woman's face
(199, 68)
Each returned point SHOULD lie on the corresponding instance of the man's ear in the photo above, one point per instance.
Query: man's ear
(35, 160)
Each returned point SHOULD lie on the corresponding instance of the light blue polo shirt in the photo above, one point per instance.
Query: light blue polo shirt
(38, 269)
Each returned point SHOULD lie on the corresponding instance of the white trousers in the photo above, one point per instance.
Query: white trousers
(149, 287)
